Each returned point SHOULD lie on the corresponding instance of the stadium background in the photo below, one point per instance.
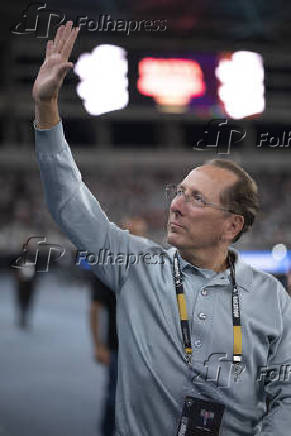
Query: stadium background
(126, 157)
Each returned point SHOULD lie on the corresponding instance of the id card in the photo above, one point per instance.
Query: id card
(200, 418)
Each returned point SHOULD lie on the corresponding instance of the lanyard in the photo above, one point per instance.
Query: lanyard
(185, 326)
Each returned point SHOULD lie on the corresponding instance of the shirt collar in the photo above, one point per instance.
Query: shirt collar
(243, 271)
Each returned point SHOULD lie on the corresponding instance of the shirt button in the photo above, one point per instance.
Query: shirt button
(204, 292)
(202, 316)
(197, 343)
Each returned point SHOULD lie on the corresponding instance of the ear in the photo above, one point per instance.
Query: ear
(234, 225)
(238, 223)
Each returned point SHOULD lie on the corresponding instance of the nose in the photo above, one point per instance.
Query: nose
(178, 205)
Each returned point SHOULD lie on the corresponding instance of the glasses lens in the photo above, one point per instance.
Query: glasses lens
(171, 192)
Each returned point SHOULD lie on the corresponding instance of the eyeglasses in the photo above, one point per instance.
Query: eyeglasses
(195, 198)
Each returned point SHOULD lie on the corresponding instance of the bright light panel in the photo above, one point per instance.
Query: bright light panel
(104, 81)
(170, 81)
(242, 84)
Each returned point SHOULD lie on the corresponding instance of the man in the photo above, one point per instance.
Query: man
(106, 351)
(25, 287)
(197, 327)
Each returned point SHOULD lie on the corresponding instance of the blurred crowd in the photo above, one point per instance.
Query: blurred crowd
(133, 192)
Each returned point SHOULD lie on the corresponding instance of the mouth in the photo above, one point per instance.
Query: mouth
(175, 224)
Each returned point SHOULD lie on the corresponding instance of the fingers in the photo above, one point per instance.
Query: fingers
(63, 42)
(69, 43)
(64, 35)
(58, 38)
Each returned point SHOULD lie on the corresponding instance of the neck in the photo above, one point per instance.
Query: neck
(212, 258)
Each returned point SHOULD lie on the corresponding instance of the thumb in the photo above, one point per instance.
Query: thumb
(63, 69)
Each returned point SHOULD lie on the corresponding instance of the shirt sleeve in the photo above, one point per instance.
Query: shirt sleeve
(76, 210)
(278, 420)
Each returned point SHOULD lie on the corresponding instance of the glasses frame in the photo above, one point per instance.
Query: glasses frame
(205, 203)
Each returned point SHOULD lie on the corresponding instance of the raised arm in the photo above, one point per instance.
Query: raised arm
(51, 75)
(70, 202)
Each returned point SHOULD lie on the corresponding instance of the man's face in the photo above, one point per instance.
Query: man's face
(190, 226)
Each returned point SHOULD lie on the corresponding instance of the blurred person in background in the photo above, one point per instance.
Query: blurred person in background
(235, 310)
(102, 297)
(25, 274)
(136, 225)
(19, 227)
(25, 287)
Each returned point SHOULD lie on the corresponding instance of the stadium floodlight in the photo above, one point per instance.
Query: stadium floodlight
(103, 77)
(241, 90)
(171, 81)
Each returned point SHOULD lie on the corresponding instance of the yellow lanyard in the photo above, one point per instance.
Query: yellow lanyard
(185, 327)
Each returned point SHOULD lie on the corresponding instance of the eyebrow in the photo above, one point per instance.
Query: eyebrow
(193, 191)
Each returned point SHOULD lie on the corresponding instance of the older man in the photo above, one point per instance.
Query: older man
(199, 330)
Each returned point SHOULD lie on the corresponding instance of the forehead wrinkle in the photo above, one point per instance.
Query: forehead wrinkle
(194, 189)
(182, 185)
(214, 177)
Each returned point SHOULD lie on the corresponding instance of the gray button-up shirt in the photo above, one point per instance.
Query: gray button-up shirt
(153, 377)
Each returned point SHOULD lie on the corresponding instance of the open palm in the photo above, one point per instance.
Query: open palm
(55, 66)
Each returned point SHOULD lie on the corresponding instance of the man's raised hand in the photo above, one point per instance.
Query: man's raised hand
(55, 66)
